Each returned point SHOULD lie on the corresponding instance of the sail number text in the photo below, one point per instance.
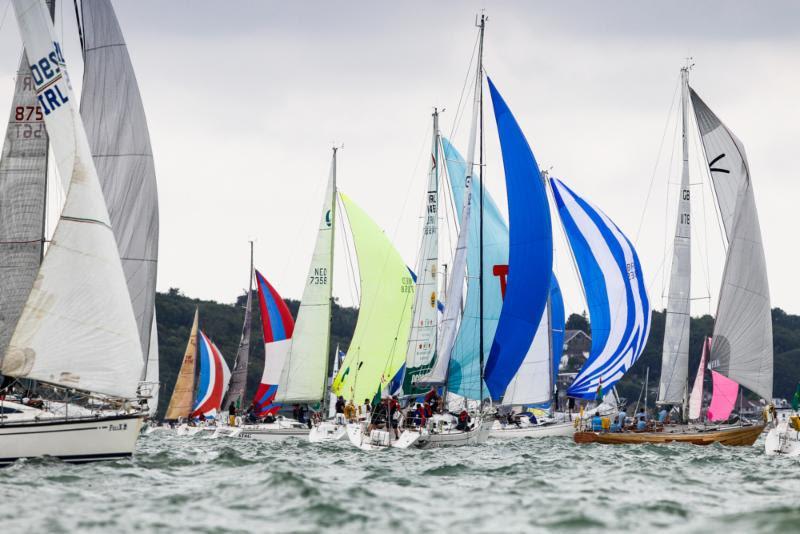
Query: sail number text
(320, 276)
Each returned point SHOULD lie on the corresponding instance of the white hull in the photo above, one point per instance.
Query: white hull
(277, 431)
(327, 431)
(782, 440)
(357, 434)
(478, 434)
(74, 441)
(532, 431)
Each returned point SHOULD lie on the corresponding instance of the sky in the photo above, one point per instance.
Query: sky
(244, 100)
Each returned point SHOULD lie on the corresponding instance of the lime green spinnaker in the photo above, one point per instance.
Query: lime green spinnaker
(378, 348)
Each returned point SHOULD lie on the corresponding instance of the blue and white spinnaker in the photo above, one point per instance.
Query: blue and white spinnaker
(615, 292)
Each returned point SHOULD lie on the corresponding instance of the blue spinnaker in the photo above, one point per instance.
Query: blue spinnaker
(619, 307)
(530, 260)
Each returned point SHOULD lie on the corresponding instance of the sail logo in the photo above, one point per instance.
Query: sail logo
(46, 73)
(328, 218)
(501, 271)
(717, 169)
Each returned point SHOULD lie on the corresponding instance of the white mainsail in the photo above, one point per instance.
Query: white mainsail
(421, 350)
(675, 350)
(23, 182)
(742, 342)
(116, 127)
(304, 372)
(77, 328)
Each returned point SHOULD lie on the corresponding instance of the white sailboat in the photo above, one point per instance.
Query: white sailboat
(76, 333)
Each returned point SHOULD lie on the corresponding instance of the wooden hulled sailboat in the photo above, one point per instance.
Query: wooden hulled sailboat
(73, 327)
(741, 347)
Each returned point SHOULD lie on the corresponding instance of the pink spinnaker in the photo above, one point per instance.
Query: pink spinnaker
(723, 398)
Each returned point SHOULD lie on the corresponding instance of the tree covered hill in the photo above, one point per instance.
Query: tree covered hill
(223, 324)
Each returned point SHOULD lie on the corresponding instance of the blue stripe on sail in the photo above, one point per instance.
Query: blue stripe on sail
(605, 363)
(530, 260)
(464, 364)
(397, 381)
(557, 321)
(206, 364)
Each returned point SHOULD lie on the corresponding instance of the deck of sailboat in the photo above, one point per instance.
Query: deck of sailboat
(732, 436)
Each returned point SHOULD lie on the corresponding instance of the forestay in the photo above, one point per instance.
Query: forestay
(742, 346)
(23, 182)
(530, 259)
(615, 293)
(304, 374)
(378, 348)
(77, 328)
(116, 127)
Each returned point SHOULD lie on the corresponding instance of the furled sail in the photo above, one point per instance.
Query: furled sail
(530, 260)
(277, 325)
(239, 375)
(181, 402)
(77, 328)
(23, 182)
(305, 371)
(214, 378)
(675, 349)
(696, 398)
(378, 348)
(615, 292)
(742, 346)
(421, 352)
(464, 378)
(116, 127)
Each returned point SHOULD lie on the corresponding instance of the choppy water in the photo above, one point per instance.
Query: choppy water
(223, 485)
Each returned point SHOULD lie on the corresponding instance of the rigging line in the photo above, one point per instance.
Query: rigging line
(704, 260)
(5, 14)
(349, 256)
(658, 158)
(667, 225)
(459, 110)
(80, 29)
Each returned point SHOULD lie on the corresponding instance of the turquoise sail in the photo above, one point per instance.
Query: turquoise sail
(464, 377)
(530, 252)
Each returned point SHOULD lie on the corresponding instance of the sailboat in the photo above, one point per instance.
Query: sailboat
(180, 403)
(73, 327)
(116, 126)
(741, 347)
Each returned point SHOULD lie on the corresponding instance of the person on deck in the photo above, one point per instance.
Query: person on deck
(463, 421)
(597, 422)
(432, 397)
(532, 419)
(350, 412)
(641, 423)
(428, 410)
(621, 416)
(395, 415)
(232, 414)
(379, 416)
(340, 405)
(364, 410)
(663, 415)
(419, 416)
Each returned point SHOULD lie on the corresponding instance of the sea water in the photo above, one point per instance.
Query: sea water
(200, 484)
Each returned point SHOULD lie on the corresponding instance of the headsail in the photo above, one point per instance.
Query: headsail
(696, 398)
(557, 324)
(464, 365)
(180, 404)
(304, 373)
(723, 397)
(214, 377)
(615, 293)
(742, 346)
(116, 127)
(77, 328)
(23, 182)
(277, 325)
(378, 348)
(530, 259)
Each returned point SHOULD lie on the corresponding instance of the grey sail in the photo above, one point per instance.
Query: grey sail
(742, 343)
(675, 350)
(23, 182)
(115, 123)
(238, 381)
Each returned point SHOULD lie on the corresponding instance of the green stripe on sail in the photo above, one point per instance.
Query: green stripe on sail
(378, 348)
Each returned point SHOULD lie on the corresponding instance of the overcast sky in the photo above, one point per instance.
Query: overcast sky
(244, 100)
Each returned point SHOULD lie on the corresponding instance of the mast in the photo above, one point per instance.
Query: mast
(479, 93)
(236, 392)
(325, 397)
(675, 349)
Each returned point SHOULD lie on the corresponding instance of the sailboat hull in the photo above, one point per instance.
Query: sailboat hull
(450, 437)
(740, 436)
(71, 440)
(553, 430)
(782, 440)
